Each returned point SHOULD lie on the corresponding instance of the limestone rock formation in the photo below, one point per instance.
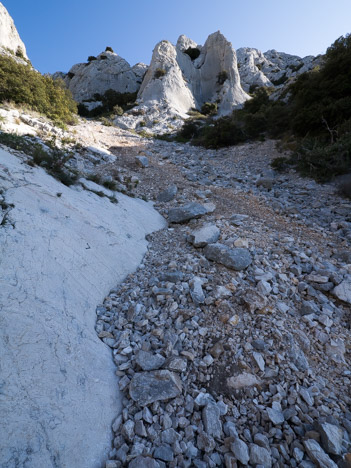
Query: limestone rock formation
(107, 71)
(271, 68)
(10, 41)
(186, 76)
(183, 82)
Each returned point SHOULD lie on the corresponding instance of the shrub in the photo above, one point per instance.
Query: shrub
(193, 52)
(283, 79)
(345, 186)
(19, 53)
(23, 85)
(118, 110)
(52, 159)
(109, 49)
(105, 121)
(159, 73)
(322, 161)
(91, 58)
(112, 102)
(209, 108)
(70, 75)
(222, 77)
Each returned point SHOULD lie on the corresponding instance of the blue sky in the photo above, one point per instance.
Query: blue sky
(61, 33)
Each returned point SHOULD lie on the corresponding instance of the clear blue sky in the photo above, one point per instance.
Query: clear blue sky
(61, 33)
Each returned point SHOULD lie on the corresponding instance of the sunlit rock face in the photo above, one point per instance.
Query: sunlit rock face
(10, 40)
(107, 71)
(271, 68)
(61, 251)
(182, 82)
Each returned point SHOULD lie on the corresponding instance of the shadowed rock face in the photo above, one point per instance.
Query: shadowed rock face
(212, 76)
(9, 37)
(108, 71)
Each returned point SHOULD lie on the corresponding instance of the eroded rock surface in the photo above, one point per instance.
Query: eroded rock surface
(62, 249)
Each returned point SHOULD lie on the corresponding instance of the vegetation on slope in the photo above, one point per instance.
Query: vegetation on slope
(313, 114)
(22, 85)
(112, 102)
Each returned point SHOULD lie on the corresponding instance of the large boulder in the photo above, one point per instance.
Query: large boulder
(10, 40)
(107, 71)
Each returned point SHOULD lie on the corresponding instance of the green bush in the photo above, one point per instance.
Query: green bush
(111, 101)
(193, 52)
(118, 110)
(209, 108)
(222, 77)
(159, 73)
(321, 161)
(109, 49)
(19, 53)
(91, 58)
(52, 159)
(23, 85)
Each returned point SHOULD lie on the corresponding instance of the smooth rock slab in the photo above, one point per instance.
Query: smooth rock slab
(236, 259)
(59, 392)
(187, 212)
(147, 387)
(208, 234)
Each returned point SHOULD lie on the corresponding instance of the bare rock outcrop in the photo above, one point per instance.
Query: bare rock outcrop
(183, 81)
(185, 76)
(106, 71)
(61, 251)
(10, 41)
(271, 68)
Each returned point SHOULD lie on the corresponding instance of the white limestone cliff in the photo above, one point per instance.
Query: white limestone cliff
(175, 83)
(190, 83)
(108, 71)
(10, 41)
(61, 252)
(164, 82)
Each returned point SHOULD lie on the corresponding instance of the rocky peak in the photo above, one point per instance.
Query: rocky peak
(181, 79)
(106, 71)
(10, 40)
